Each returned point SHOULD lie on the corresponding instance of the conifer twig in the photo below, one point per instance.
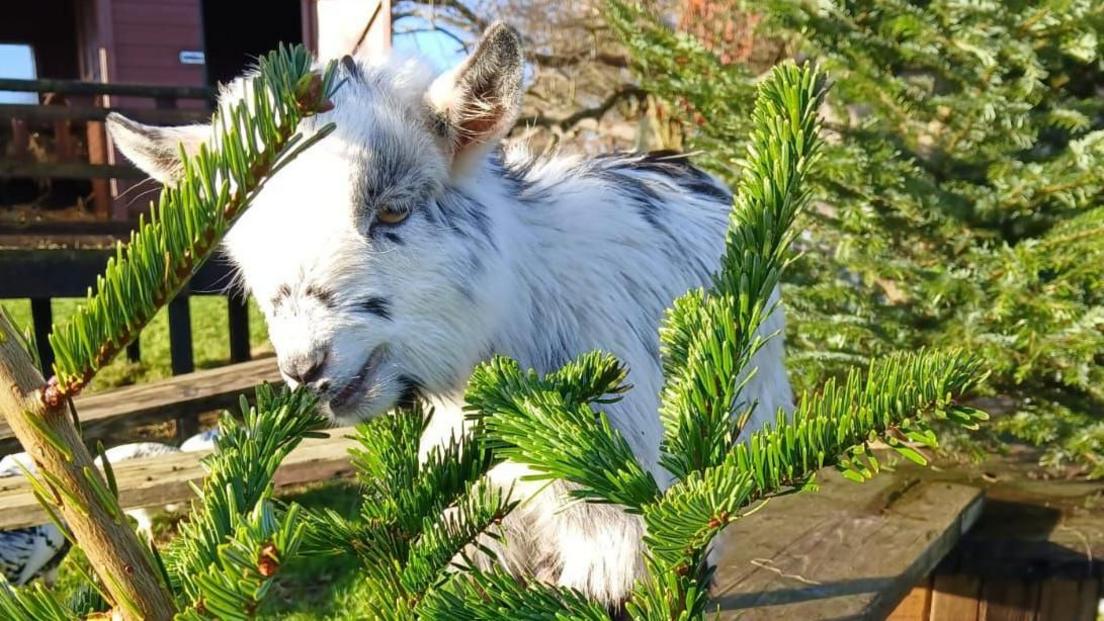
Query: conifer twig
(50, 436)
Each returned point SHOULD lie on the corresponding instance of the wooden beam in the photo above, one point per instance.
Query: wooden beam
(69, 272)
(68, 170)
(849, 551)
(62, 113)
(157, 481)
(78, 87)
(110, 413)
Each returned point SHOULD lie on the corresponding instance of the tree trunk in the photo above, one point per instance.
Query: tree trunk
(66, 471)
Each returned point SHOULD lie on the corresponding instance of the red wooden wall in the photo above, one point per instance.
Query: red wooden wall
(148, 38)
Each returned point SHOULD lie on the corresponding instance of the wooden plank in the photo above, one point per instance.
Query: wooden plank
(1008, 599)
(68, 273)
(59, 113)
(1089, 596)
(77, 87)
(917, 604)
(67, 170)
(1058, 600)
(164, 479)
(849, 551)
(108, 413)
(955, 597)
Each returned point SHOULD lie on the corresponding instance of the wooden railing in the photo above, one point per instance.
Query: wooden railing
(82, 103)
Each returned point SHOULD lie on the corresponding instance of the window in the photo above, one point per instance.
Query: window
(17, 61)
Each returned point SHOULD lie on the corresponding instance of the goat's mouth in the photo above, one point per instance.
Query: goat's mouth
(353, 390)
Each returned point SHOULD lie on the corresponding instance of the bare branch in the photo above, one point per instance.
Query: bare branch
(622, 93)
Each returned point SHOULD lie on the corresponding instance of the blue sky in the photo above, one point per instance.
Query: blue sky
(440, 50)
(17, 61)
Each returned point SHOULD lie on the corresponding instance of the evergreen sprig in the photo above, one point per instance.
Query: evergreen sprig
(32, 603)
(239, 480)
(709, 337)
(252, 138)
(553, 428)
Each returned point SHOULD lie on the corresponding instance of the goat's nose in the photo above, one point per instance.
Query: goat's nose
(303, 368)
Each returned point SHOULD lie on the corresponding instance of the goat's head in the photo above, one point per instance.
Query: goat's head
(373, 269)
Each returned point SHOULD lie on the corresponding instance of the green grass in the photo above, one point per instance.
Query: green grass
(210, 338)
(306, 589)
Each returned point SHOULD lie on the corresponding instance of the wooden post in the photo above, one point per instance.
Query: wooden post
(180, 351)
(134, 350)
(113, 550)
(180, 334)
(42, 315)
(97, 154)
(237, 315)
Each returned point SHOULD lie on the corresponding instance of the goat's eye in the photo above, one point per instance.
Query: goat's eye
(392, 215)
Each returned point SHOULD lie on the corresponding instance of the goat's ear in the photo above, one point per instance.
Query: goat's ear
(156, 150)
(478, 102)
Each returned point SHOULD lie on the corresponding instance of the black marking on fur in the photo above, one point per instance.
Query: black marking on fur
(411, 390)
(375, 305)
(350, 67)
(324, 296)
(393, 238)
(283, 292)
(677, 166)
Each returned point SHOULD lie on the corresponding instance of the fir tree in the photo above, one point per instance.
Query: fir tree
(959, 200)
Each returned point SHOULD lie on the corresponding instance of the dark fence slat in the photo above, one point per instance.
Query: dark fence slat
(180, 334)
(76, 87)
(68, 273)
(11, 168)
(64, 113)
(134, 350)
(237, 315)
(42, 314)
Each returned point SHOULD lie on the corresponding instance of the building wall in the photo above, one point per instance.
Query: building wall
(149, 36)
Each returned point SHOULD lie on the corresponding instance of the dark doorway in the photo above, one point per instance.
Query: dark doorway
(236, 32)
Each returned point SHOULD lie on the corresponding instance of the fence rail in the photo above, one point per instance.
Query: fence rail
(77, 87)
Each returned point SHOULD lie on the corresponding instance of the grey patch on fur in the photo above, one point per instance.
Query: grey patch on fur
(517, 175)
(465, 217)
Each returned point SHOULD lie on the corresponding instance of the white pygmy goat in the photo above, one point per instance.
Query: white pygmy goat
(406, 247)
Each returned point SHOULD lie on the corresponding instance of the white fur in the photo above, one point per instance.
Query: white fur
(568, 265)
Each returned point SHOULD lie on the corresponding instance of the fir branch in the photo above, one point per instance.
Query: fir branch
(552, 428)
(240, 474)
(32, 603)
(254, 138)
(708, 337)
(237, 580)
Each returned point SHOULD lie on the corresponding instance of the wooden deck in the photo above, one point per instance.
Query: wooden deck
(104, 414)
(849, 551)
